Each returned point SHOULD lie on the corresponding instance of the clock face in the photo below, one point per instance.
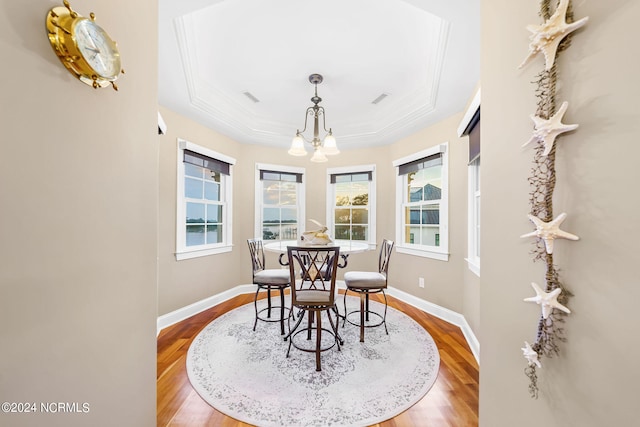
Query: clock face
(97, 48)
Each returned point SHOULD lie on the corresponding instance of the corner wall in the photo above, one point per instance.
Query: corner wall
(443, 280)
(185, 282)
(593, 381)
(78, 190)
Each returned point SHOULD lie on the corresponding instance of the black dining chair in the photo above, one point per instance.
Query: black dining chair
(276, 279)
(366, 283)
(312, 273)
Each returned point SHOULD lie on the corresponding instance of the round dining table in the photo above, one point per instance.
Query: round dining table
(346, 247)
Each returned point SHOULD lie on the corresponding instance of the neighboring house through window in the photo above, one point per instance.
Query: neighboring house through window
(203, 201)
(351, 213)
(280, 202)
(422, 201)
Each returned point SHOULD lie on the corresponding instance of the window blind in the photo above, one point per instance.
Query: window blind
(473, 130)
(423, 163)
(280, 176)
(201, 160)
(351, 177)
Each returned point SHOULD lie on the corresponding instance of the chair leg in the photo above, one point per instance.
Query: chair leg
(335, 326)
(268, 303)
(384, 318)
(309, 324)
(290, 331)
(281, 311)
(290, 343)
(318, 340)
(344, 303)
(366, 311)
(295, 327)
(362, 298)
(255, 305)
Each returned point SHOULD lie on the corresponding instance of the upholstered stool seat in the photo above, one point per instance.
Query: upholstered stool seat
(365, 279)
(269, 280)
(272, 277)
(366, 283)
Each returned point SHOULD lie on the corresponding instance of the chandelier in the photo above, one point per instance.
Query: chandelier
(321, 148)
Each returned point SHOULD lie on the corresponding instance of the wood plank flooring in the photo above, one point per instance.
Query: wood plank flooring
(451, 402)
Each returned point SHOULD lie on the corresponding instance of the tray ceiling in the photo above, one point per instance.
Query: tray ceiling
(390, 67)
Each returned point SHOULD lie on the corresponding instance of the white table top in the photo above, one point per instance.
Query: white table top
(346, 247)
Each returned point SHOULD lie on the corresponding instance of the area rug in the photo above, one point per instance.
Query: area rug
(245, 374)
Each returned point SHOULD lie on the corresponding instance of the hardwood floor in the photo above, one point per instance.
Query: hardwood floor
(451, 402)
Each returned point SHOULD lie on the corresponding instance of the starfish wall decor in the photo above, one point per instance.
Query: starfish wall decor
(547, 300)
(547, 130)
(546, 38)
(531, 355)
(549, 231)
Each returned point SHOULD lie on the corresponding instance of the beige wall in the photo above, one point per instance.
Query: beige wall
(593, 381)
(78, 190)
(184, 282)
(443, 280)
(471, 300)
(181, 283)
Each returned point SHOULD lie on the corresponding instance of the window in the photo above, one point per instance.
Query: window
(204, 201)
(422, 203)
(351, 203)
(470, 126)
(279, 202)
(473, 257)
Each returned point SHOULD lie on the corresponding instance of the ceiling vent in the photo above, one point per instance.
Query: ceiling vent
(380, 98)
(250, 96)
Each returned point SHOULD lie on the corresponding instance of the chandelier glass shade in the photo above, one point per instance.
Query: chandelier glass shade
(321, 147)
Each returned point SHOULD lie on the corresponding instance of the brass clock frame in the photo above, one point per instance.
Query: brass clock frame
(60, 23)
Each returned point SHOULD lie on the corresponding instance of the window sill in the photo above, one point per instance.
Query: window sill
(474, 266)
(440, 256)
(191, 253)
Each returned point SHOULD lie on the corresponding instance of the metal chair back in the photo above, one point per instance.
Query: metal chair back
(257, 255)
(313, 274)
(385, 256)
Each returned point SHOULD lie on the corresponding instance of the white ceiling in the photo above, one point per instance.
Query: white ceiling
(423, 54)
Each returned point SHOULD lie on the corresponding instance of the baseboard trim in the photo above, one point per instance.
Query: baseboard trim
(200, 306)
(445, 314)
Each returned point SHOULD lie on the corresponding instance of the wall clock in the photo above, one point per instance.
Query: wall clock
(83, 47)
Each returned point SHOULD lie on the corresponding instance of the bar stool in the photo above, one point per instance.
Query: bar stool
(313, 291)
(267, 279)
(366, 283)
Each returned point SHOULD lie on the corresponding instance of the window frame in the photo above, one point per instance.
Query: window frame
(471, 123)
(473, 230)
(331, 195)
(259, 202)
(226, 186)
(440, 252)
